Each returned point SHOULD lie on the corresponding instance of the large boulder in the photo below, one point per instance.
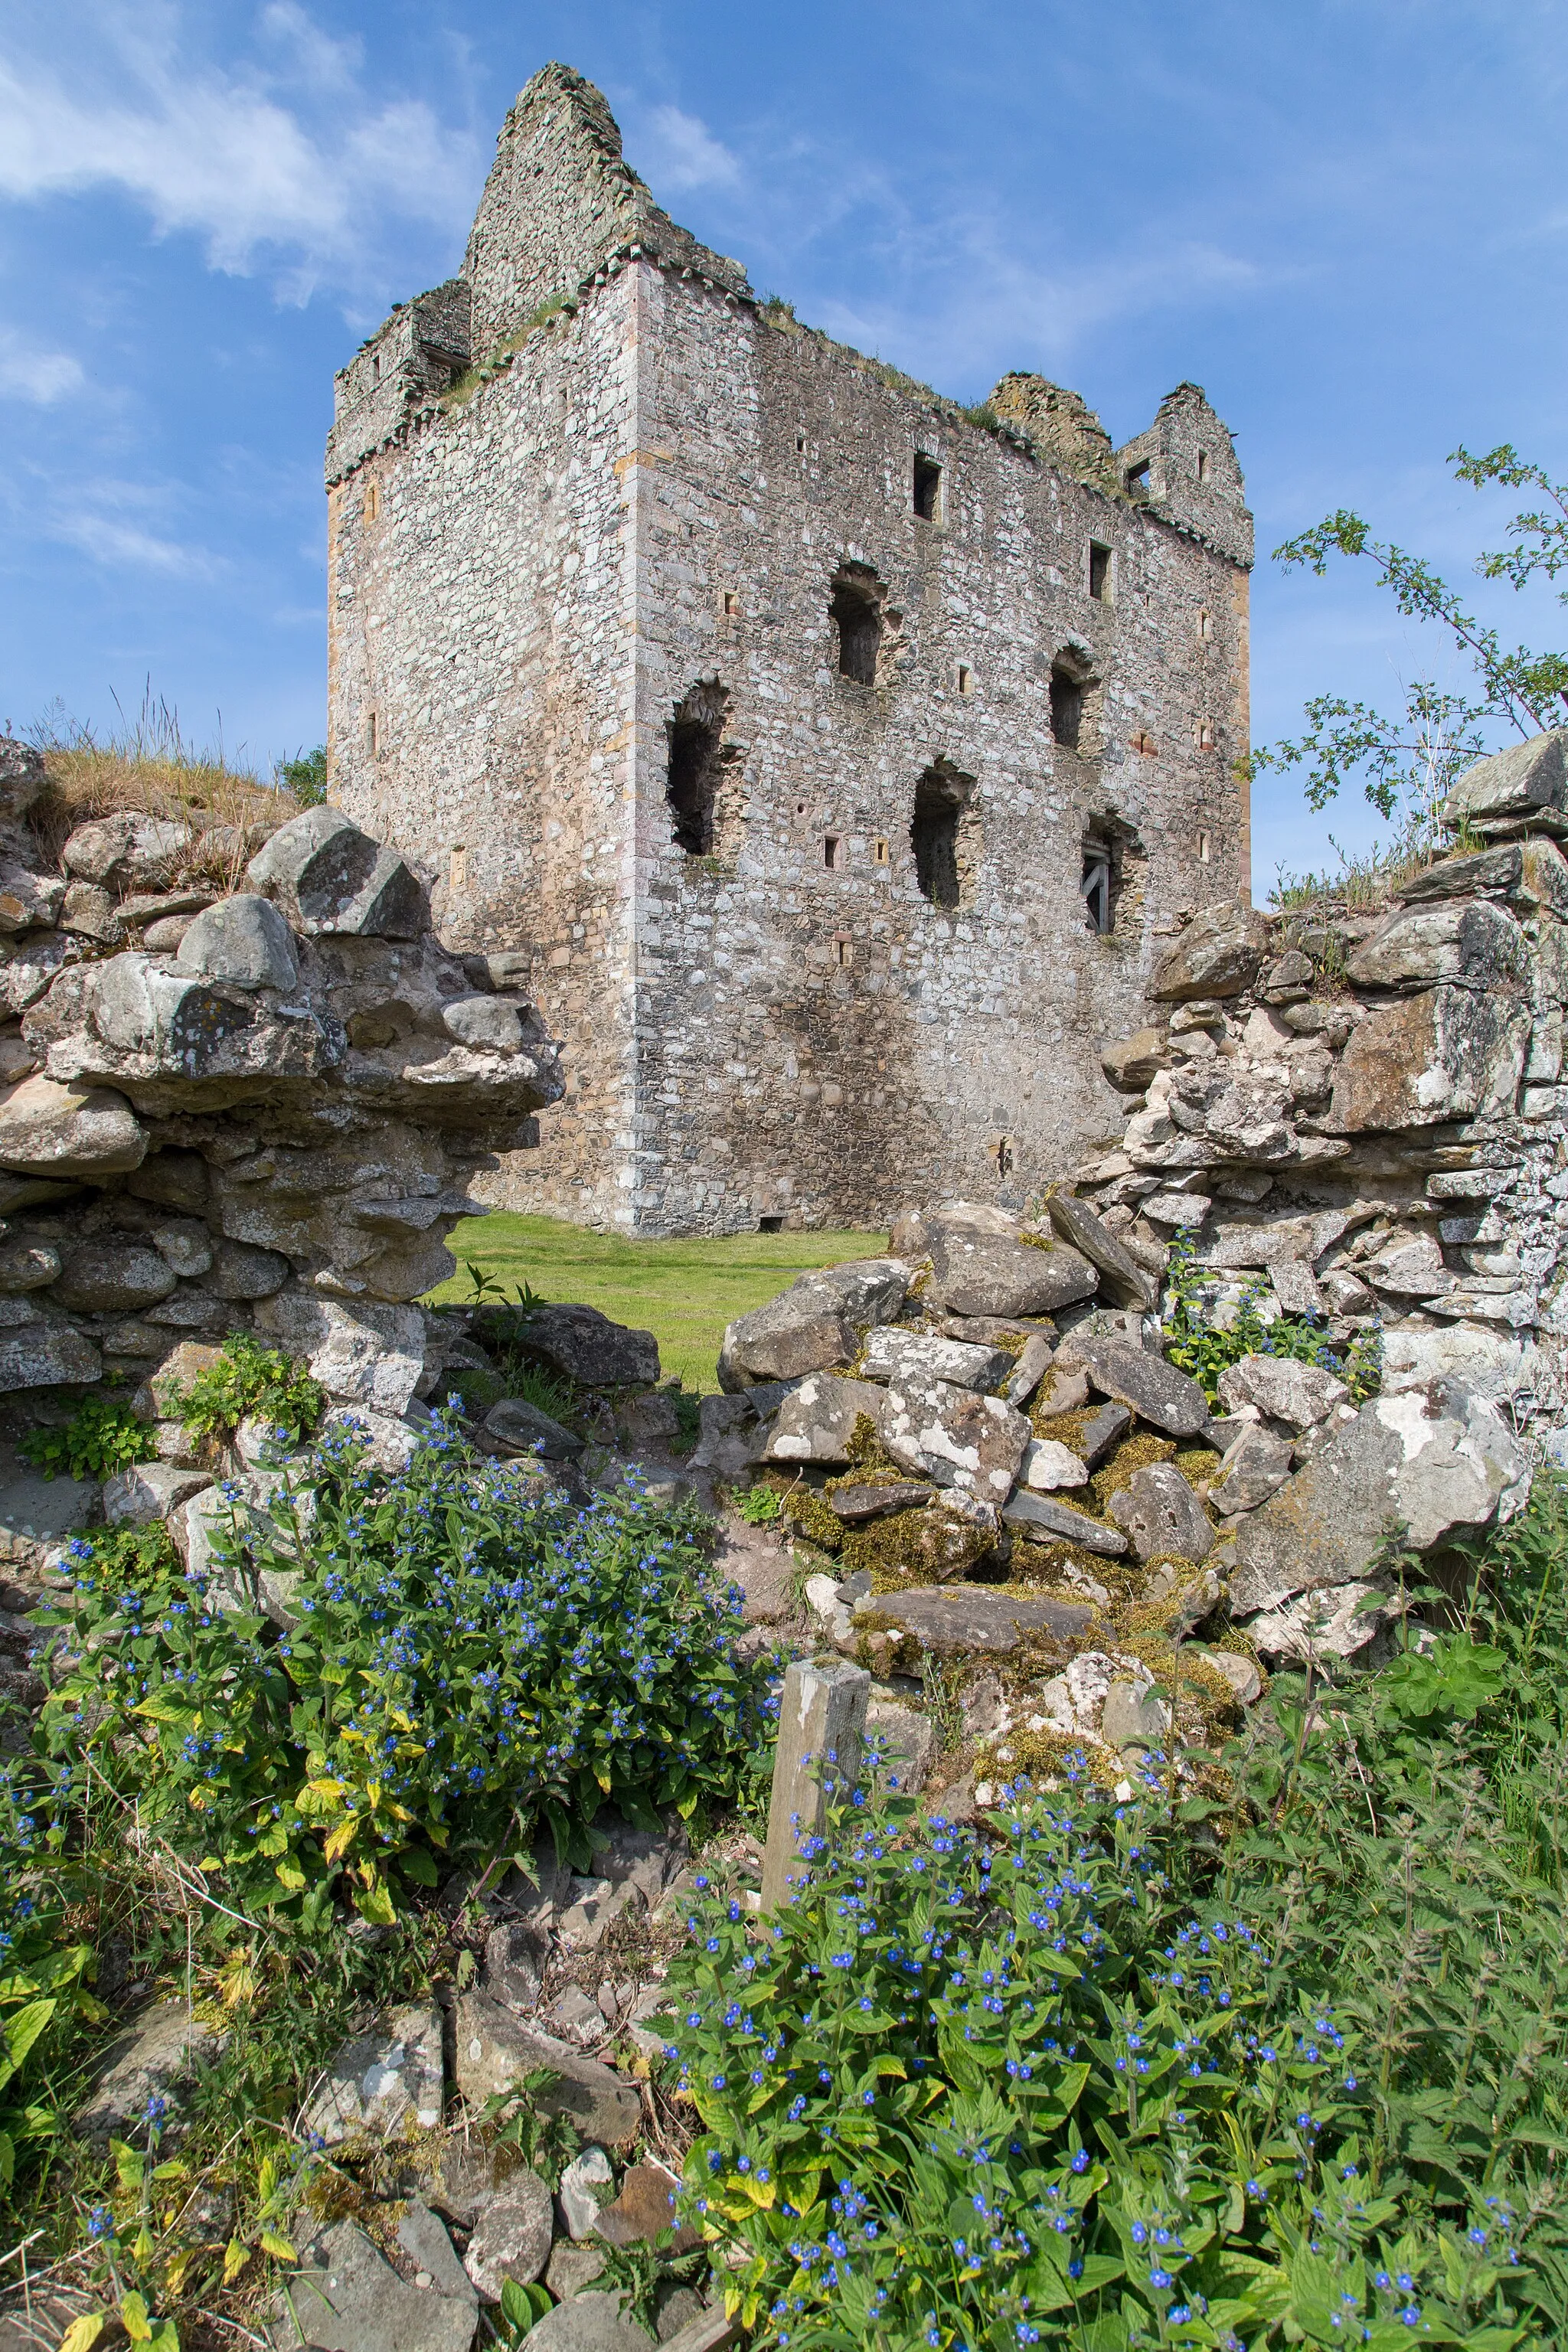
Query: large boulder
(112, 1275)
(366, 1354)
(1162, 1516)
(813, 1324)
(1298, 1394)
(1469, 941)
(1219, 953)
(1423, 1462)
(923, 1357)
(955, 1438)
(1449, 1053)
(154, 2057)
(1505, 793)
(975, 1273)
(1150, 1387)
(1122, 1277)
(327, 876)
(585, 1347)
(27, 900)
(244, 940)
(819, 1422)
(57, 1130)
(513, 2237)
(129, 847)
(36, 1352)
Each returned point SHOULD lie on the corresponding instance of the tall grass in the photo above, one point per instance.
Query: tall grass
(147, 763)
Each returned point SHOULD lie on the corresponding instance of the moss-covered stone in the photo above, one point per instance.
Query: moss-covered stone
(864, 1448)
(1136, 1452)
(926, 1547)
(806, 1509)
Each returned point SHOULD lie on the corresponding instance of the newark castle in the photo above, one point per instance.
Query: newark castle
(829, 762)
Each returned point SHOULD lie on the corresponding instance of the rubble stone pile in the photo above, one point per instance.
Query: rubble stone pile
(252, 1108)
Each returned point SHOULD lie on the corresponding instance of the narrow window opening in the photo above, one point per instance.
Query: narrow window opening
(731, 603)
(458, 874)
(965, 678)
(1067, 707)
(800, 445)
(1096, 885)
(942, 798)
(1205, 735)
(376, 367)
(927, 488)
(1004, 1155)
(1203, 849)
(831, 846)
(843, 950)
(880, 854)
(372, 499)
(696, 771)
(373, 736)
(1137, 480)
(1206, 625)
(1144, 742)
(1098, 572)
(857, 615)
(770, 1225)
(1203, 465)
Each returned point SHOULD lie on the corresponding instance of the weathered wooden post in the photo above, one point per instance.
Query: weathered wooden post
(822, 1727)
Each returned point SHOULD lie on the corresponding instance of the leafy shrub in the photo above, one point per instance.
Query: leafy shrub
(469, 1655)
(1197, 1346)
(250, 1379)
(100, 1437)
(1054, 2082)
(305, 776)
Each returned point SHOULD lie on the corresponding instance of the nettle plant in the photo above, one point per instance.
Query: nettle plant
(469, 1655)
(1014, 2086)
(1202, 1348)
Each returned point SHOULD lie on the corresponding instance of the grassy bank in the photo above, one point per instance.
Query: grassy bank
(684, 1292)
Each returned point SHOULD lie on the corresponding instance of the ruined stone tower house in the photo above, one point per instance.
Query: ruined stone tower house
(830, 761)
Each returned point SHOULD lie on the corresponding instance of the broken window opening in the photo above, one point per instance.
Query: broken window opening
(1096, 888)
(697, 759)
(1005, 1155)
(1098, 572)
(1067, 707)
(856, 612)
(942, 797)
(1138, 480)
(927, 488)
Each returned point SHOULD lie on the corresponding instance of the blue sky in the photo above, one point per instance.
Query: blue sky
(1345, 218)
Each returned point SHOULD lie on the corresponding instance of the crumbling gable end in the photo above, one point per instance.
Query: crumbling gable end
(1185, 467)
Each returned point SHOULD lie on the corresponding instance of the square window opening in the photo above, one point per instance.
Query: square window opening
(800, 445)
(927, 488)
(1099, 572)
(843, 950)
(966, 679)
(770, 1225)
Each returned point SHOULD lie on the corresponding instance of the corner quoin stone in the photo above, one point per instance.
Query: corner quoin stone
(822, 1727)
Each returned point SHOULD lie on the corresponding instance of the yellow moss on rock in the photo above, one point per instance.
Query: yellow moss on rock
(806, 1509)
(930, 1546)
(1136, 1452)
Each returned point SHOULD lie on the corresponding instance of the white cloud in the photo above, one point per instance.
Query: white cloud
(29, 373)
(125, 526)
(685, 154)
(291, 167)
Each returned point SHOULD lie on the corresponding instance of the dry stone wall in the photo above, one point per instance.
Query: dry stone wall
(255, 1108)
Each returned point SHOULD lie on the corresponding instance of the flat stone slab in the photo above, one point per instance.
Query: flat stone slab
(1146, 1383)
(1121, 1275)
(855, 1504)
(150, 2059)
(512, 2236)
(947, 1619)
(381, 2083)
(588, 2323)
(494, 2051)
(898, 1356)
(990, 1274)
(347, 2297)
(1043, 1518)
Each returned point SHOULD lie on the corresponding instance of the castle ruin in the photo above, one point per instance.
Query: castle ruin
(828, 762)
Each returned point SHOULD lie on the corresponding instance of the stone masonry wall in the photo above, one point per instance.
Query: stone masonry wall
(638, 507)
(228, 1110)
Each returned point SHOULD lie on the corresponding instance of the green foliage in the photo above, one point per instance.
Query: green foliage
(1202, 1350)
(759, 1505)
(1412, 760)
(250, 1379)
(522, 2307)
(467, 1655)
(983, 414)
(100, 1437)
(305, 776)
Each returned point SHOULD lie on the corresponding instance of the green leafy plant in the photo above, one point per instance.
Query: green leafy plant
(759, 1505)
(522, 2307)
(1409, 762)
(305, 776)
(249, 1378)
(463, 1657)
(1204, 1350)
(100, 1437)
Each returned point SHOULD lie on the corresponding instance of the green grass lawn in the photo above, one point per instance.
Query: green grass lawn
(683, 1292)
